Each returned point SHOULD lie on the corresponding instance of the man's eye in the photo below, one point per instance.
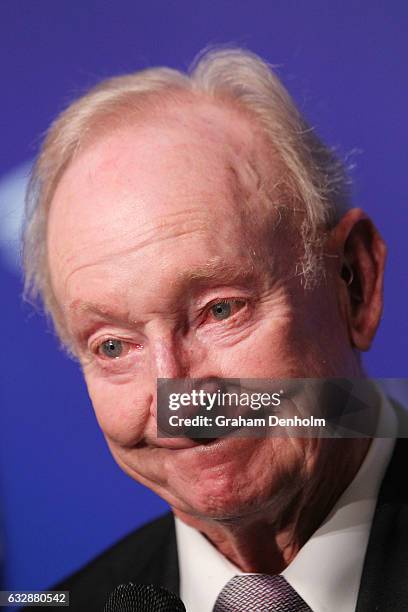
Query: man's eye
(111, 348)
(226, 308)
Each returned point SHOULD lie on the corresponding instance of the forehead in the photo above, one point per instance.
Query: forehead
(195, 170)
(202, 144)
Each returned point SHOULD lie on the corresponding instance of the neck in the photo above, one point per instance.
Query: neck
(267, 541)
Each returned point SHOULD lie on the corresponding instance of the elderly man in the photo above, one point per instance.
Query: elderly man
(193, 227)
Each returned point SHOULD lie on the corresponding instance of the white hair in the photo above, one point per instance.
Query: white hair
(314, 178)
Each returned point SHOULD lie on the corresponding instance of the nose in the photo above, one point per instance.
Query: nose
(168, 359)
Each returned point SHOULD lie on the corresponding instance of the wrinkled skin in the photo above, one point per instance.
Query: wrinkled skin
(152, 225)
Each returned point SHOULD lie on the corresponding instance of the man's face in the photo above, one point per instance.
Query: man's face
(162, 268)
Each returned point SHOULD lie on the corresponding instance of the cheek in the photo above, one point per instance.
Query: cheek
(122, 409)
(289, 346)
(272, 349)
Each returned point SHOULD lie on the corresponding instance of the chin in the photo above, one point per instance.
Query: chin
(219, 499)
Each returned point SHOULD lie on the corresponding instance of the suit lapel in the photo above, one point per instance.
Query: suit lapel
(161, 568)
(384, 582)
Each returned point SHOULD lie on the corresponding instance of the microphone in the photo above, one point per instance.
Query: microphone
(142, 598)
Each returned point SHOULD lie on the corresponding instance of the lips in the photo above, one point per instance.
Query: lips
(176, 443)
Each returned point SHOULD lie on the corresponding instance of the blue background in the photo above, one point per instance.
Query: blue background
(62, 497)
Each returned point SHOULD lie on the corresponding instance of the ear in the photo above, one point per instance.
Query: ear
(362, 254)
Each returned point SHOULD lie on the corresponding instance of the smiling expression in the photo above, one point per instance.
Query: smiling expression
(165, 264)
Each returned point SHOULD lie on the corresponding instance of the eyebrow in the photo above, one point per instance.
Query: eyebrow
(216, 269)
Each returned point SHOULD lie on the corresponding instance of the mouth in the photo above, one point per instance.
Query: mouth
(203, 453)
(177, 443)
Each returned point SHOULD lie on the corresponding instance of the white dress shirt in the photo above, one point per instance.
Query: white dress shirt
(327, 570)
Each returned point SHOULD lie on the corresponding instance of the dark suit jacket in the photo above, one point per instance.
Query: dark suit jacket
(149, 555)
(146, 556)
